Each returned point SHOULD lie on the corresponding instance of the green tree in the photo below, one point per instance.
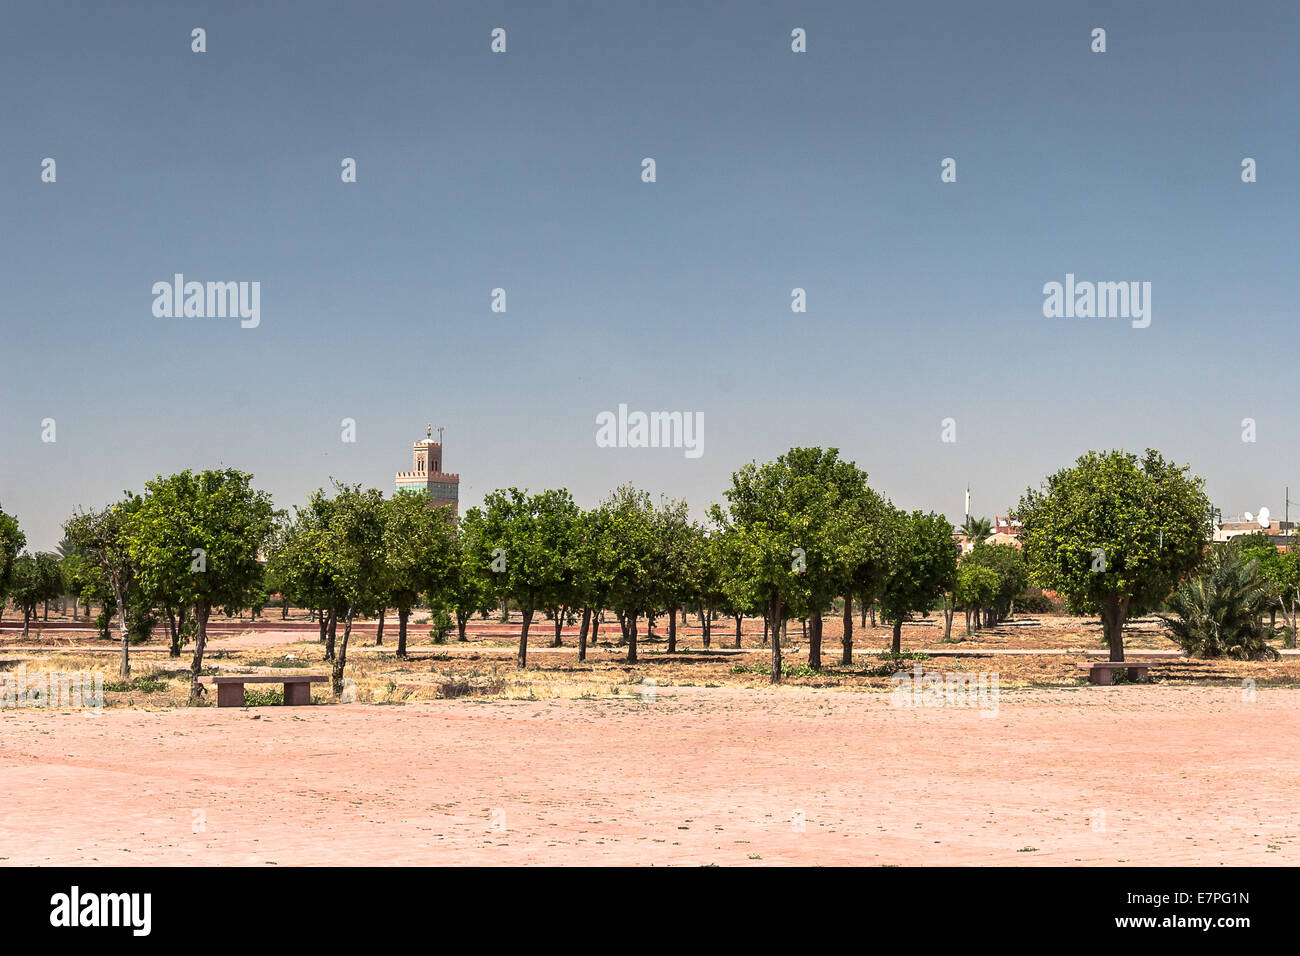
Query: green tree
(589, 592)
(740, 597)
(306, 568)
(976, 588)
(630, 559)
(12, 541)
(527, 545)
(35, 578)
(921, 565)
(356, 542)
(100, 538)
(199, 536)
(675, 555)
(1114, 533)
(420, 554)
(791, 532)
(468, 589)
(1008, 563)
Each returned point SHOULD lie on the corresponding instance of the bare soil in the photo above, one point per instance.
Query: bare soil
(1145, 774)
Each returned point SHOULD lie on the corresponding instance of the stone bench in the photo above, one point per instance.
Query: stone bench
(297, 687)
(1099, 672)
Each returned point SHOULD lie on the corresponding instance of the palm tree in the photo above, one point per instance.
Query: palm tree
(977, 530)
(1220, 611)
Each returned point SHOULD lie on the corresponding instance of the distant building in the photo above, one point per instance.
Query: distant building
(426, 474)
(1279, 532)
(1005, 531)
(1003, 537)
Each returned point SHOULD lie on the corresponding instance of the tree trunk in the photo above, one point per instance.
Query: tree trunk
(341, 661)
(629, 631)
(523, 637)
(201, 611)
(739, 618)
(324, 624)
(379, 629)
(582, 633)
(898, 637)
(124, 663)
(331, 633)
(815, 640)
(767, 628)
(172, 634)
(775, 615)
(559, 625)
(672, 630)
(595, 626)
(873, 615)
(403, 613)
(949, 607)
(284, 609)
(27, 620)
(462, 621)
(846, 642)
(1113, 613)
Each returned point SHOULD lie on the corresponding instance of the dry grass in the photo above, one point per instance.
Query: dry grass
(379, 677)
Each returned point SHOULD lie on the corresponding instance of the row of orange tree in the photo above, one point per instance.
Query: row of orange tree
(793, 538)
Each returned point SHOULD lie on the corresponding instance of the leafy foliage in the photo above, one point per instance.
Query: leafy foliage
(1219, 612)
(1115, 534)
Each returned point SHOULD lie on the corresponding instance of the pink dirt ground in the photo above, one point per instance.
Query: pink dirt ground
(1130, 774)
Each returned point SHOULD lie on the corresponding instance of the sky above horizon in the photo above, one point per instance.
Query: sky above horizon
(523, 171)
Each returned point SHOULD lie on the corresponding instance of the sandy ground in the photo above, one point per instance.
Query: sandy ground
(1143, 774)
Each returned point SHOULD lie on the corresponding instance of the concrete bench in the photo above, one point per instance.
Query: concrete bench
(297, 687)
(1099, 672)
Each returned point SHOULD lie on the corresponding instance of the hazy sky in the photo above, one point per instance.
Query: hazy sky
(522, 170)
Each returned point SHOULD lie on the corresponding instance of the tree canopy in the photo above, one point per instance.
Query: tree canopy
(1114, 533)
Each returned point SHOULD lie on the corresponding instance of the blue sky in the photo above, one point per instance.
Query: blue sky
(775, 170)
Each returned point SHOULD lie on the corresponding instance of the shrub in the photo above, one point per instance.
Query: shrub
(1219, 612)
(262, 698)
(1035, 603)
(440, 625)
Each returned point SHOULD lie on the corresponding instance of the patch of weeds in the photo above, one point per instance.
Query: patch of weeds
(278, 662)
(262, 698)
(145, 683)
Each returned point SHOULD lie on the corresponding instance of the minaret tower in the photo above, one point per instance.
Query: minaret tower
(426, 473)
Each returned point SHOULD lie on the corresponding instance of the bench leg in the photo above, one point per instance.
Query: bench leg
(1137, 673)
(297, 693)
(230, 695)
(1099, 675)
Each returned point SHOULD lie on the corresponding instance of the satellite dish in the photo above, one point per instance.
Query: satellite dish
(1262, 517)
(1249, 516)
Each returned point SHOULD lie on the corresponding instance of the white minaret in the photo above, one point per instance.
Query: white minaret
(968, 504)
